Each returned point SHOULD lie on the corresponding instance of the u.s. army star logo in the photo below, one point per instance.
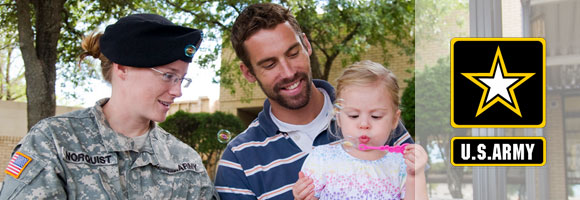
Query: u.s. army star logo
(498, 85)
(498, 82)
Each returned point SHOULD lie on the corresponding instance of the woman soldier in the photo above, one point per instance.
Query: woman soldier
(115, 150)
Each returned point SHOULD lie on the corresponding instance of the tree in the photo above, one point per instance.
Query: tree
(199, 130)
(48, 34)
(39, 57)
(433, 92)
(209, 146)
(182, 125)
(334, 27)
(436, 22)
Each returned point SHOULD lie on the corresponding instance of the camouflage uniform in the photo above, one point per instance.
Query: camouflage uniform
(78, 156)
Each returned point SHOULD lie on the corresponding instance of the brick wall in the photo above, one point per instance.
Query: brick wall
(7, 144)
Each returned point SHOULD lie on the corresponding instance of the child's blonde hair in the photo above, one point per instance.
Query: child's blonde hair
(365, 73)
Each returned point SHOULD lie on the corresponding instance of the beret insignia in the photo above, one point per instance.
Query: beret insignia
(190, 50)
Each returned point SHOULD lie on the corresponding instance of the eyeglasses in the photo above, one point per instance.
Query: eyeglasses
(173, 78)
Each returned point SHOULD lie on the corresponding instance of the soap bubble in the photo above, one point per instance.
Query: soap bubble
(224, 136)
(349, 143)
(335, 131)
(337, 106)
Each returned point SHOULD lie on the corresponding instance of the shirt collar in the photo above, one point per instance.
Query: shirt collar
(265, 119)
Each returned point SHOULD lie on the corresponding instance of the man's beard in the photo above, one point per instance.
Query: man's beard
(294, 102)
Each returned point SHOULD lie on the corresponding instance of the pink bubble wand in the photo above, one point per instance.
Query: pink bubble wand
(392, 149)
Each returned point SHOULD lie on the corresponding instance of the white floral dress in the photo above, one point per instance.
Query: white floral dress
(338, 175)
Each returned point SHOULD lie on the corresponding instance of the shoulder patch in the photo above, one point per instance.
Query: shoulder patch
(17, 164)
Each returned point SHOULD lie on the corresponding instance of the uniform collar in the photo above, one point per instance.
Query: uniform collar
(113, 141)
(155, 151)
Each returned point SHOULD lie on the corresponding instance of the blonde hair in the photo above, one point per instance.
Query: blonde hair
(366, 72)
(90, 45)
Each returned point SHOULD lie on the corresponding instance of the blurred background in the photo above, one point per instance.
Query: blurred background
(557, 21)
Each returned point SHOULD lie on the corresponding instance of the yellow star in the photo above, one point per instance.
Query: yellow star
(495, 85)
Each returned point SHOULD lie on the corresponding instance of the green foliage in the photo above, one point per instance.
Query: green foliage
(408, 105)
(433, 92)
(199, 130)
(210, 124)
(334, 27)
(79, 18)
(350, 28)
(182, 125)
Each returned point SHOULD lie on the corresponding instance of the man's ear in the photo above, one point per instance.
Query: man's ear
(246, 72)
(307, 44)
(120, 71)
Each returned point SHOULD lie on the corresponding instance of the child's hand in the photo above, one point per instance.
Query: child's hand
(303, 188)
(415, 158)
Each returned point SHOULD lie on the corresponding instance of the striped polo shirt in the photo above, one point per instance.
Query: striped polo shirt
(263, 163)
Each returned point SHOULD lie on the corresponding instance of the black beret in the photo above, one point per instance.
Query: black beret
(148, 40)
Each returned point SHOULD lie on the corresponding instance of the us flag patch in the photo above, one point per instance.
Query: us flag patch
(17, 164)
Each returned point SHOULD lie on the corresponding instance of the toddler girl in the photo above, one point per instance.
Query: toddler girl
(360, 166)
